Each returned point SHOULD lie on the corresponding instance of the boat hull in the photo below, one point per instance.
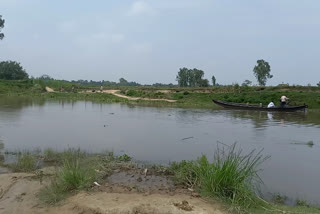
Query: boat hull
(257, 107)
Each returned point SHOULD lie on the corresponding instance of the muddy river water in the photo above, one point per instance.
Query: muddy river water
(161, 135)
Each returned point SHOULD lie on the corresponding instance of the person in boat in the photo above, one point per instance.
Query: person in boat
(283, 101)
(271, 104)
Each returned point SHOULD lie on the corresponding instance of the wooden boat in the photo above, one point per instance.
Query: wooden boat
(258, 107)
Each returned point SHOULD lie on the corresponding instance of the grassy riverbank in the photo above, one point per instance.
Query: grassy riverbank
(229, 179)
(185, 97)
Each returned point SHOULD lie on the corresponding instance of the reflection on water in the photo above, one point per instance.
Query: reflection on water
(166, 134)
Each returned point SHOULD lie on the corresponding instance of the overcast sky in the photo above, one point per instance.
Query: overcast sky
(147, 41)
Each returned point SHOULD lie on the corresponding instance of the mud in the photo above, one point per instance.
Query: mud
(125, 192)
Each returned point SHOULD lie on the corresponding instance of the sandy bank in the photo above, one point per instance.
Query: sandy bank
(18, 194)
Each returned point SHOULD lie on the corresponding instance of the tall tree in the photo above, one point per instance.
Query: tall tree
(182, 77)
(10, 70)
(198, 74)
(262, 72)
(191, 78)
(213, 80)
(1, 26)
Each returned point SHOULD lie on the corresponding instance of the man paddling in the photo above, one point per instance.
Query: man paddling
(284, 100)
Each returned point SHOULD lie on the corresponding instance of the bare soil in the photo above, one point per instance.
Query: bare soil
(49, 89)
(124, 193)
(116, 93)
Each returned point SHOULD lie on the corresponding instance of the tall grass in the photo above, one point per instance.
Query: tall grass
(231, 175)
(78, 171)
(26, 162)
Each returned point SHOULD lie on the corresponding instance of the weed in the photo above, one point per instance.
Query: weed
(53, 193)
(25, 163)
(230, 176)
(301, 203)
(279, 199)
(74, 177)
(78, 172)
(50, 155)
(125, 158)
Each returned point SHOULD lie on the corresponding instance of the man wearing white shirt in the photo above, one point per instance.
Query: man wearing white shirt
(271, 105)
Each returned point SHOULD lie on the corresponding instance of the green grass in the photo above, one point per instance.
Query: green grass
(26, 162)
(186, 97)
(231, 176)
(78, 172)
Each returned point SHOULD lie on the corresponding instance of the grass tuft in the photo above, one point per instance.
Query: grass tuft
(25, 163)
(231, 176)
(78, 171)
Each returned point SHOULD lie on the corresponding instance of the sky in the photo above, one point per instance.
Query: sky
(147, 41)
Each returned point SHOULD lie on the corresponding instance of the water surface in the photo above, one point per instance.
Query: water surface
(161, 135)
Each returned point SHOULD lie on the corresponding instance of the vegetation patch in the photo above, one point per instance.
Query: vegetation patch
(26, 162)
(230, 176)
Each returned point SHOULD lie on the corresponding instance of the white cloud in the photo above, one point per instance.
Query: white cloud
(141, 7)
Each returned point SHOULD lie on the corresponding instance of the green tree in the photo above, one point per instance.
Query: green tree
(246, 83)
(10, 70)
(45, 77)
(182, 77)
(197, 78)
(318, 84)
(204, 83)
(123, 81)
(1, 26)
(213, 80)
(190, 77)
(262, 72)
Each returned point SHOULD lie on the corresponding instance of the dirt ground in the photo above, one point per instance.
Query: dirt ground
(49, 89)
(132, 194)
(116, 93)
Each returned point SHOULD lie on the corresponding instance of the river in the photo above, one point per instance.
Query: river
(161, 135)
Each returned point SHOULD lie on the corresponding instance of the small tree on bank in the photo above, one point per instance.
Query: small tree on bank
(10, 70)
(318, 84)
(262, 72)
(213, 80)
(1, 26)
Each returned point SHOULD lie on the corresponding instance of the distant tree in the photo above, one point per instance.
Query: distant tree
(182, 77)
(10, 70)
(123, 81)
(1, 26)
(204, 83)
(190, 77)
(213, 80)
(45, 77)
(318, 84)
(246, 83)
(262, 72)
